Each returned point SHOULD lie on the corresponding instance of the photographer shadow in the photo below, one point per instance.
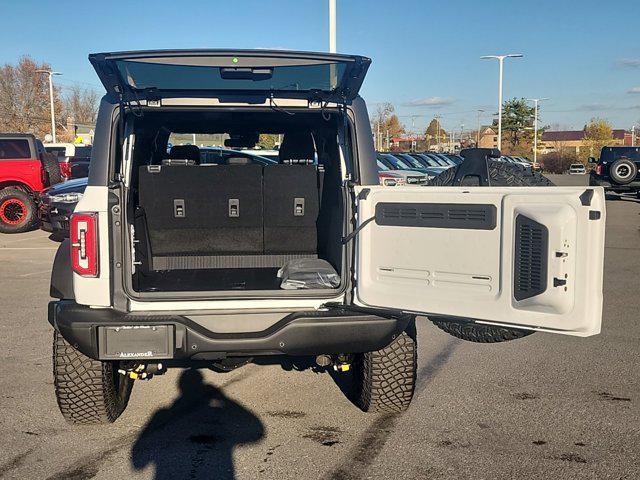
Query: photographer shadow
(195, 437)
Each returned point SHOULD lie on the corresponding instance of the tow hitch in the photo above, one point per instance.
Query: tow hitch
(143, 371)
(341, 363)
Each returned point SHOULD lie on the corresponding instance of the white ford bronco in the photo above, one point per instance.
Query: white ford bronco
(178, 258)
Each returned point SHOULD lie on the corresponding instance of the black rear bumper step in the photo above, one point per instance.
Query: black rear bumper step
(319, 332)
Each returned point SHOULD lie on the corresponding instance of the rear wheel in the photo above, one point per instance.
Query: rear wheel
(623, 171)
(88, 391)
(17, 211)
(500, 175)
(385, 379)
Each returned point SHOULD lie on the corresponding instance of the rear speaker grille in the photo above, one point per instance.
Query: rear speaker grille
(531, 254)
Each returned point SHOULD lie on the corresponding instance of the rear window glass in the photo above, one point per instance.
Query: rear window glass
(57, 151)
(14, 148)
(83, 152)
(140, 75)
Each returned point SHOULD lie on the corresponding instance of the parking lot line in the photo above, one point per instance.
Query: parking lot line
(31, 274)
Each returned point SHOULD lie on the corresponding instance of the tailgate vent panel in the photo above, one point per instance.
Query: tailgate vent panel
(437, 215)
(530, 258)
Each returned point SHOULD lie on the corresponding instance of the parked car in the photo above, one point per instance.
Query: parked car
(389, 178)
(223, 156)
(270, 154)
(405, 161)
(183, 265)
(56, 204)
(420, 164)
(577, 169)
(433, 168)
(617, 170)
(25, 170)
(411, 176)
(74, 158)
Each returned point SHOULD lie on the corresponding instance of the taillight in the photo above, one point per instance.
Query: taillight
(65, 169)
(599, 169)
(84, 244)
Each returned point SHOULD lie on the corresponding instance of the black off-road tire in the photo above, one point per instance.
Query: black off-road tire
(472, 332)
(52, 167)
(88, 391)
(18, 211)
(386, 379)
(500, 175)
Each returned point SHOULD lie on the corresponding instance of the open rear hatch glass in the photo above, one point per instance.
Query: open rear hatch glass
(215, 73)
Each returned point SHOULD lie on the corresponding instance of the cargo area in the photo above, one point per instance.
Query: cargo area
(216, 219)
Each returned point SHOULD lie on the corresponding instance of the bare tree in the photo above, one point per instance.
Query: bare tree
(386, 123)
(24, 98)
(81, 104)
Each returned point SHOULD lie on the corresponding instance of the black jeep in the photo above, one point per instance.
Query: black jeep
(617, 170)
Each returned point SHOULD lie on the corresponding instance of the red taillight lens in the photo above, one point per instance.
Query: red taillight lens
(65, 169)
(599, 169)
(84, 244)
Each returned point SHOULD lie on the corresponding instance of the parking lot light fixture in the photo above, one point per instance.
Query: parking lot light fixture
(500, 59)
(535, 101)
(53, 114)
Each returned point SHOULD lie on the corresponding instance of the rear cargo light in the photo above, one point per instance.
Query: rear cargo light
(599, 169)
(65, 169)
(84, 244)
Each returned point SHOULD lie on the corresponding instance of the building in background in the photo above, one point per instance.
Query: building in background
(488, 136)
(571, 141)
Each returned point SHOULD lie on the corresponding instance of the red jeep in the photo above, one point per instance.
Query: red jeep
(25, 170)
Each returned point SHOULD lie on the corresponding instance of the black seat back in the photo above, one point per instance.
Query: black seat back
(198, 210)
(291, 206)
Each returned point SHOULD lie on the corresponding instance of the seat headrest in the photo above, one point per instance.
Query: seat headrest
(297, 146)
(185, 152)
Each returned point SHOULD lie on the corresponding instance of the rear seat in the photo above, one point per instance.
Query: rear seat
(193, 210)
(230, 216)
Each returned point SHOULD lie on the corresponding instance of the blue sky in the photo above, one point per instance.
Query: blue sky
(583, 55)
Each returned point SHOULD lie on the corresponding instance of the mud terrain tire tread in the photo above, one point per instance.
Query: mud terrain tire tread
(480, 333)
(386, 378)
(52, 167)
(88, 391)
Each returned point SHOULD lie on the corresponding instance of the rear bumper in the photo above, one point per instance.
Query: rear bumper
(595, 181)
(56, 223)
(301, 333)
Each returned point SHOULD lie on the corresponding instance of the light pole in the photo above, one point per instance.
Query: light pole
(500, 59)
(535, 101)
(480, 112)
(53, 113)
(332, 26)
(633, 135)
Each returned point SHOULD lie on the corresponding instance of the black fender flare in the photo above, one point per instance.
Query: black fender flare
(61, 274)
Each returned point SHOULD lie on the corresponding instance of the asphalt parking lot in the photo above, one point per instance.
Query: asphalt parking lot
(545, 406)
